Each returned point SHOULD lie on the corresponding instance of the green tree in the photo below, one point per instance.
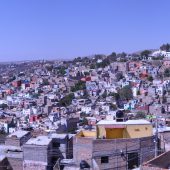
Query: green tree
(140, 115)
(61, 70)
(167, 72)
(150, 78)
(122, 55)
(119, 76)
(78, 59)
(103, 64)
(145, 53)
(165, 47)
(115, 95)
(35, 95)
(125, 93)
(45, 82)
(92, 66)
(49, 67)
(113, 106)
(81, 85)
(112, 57)
(67, 100)
(99, 56)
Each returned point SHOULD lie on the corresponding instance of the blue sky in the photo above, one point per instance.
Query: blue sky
(58, 29)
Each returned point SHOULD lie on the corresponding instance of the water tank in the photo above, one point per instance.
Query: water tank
(119, 114)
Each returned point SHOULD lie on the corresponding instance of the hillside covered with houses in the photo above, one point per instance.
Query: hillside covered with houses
(96, 112)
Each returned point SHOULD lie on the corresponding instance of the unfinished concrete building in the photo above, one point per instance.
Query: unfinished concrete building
(38, 154)
(18, 138)
(114, 145)
(13, 148)
(42, 152)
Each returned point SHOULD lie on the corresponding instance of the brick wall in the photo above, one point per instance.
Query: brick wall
(113, 149)
(88, 149)
(34, 166)
(2, 138)
(14, 141)
(82, 149)
(35, 153)
(16, 163)
(152, 168)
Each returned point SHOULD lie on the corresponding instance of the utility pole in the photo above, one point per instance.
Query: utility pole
(156, 136)
(126, 158)
(140, 157)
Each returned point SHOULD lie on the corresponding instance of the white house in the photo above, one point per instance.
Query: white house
(86, 109)
(160, 89)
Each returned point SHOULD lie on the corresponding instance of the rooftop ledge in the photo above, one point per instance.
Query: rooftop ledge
(86, 134)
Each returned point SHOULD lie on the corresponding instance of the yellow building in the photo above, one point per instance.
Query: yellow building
(110, 129)
(102, 148)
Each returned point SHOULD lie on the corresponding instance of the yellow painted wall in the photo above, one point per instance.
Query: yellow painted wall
(109, 133)
(86, 134)
(89, 133)
(114, 133)
(137, 131)
(130, 131)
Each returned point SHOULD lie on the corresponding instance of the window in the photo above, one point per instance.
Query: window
(104, 159)
(133, 160)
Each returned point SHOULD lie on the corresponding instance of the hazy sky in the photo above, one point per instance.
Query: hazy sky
(52, 29)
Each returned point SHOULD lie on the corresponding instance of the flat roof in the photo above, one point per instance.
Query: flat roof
(129, 122)
(58, 136)
(40, 140)
(67, 161)
(19, 133)
(30, 162)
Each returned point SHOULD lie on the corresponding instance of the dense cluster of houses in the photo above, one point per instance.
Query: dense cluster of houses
(70, 115)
